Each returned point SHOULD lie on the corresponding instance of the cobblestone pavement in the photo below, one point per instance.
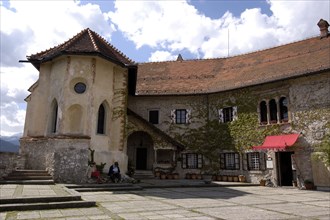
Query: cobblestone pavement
(248, 202)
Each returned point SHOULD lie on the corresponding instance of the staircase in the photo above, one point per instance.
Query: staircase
(39, 203)
(143, 174)
(39, 177)
(104, 187)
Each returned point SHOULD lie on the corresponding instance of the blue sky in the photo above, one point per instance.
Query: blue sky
(145, 31)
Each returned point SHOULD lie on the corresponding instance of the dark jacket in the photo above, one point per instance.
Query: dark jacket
(111, 170)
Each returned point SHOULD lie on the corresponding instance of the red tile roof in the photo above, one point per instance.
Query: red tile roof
(87, 42)
(216, 75)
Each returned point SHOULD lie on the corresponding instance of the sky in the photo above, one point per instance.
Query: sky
(145, 31)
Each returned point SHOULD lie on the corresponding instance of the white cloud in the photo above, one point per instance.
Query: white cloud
(28, 27)
(168, 27)
(176, 25)
(162, 56)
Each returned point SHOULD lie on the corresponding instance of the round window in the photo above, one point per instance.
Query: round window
(80, 88)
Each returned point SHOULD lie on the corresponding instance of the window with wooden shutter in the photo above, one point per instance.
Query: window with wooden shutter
(192, 161)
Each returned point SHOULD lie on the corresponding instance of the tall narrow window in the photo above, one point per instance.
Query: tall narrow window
(283, 109)
(273, 111)
(154, 116)
(229, 161)
(253, 161)
(54, 117)
(101, 120)
(192, 161)
(180, 116)
(263, 112)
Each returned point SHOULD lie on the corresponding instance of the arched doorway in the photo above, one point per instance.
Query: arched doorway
(140, 150)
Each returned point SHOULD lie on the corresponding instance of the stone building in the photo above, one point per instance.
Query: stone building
(261, 114)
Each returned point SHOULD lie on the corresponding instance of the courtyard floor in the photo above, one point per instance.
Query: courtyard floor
(225, 202)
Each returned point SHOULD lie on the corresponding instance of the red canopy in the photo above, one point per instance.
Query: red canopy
(279, 142)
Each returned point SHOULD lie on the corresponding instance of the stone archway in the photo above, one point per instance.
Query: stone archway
(140, 150)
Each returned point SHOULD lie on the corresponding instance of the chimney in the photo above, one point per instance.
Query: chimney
(323, 25)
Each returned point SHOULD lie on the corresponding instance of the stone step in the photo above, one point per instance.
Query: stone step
(103, 187)
(28, 174)
(46, 205)
(111, 189)
(143, 174)
(28, 177)
(40, 199)
(28, 182)
(30, 171)
(38, 203)
(110, 185)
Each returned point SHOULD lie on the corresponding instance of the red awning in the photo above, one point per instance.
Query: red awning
(279, 142)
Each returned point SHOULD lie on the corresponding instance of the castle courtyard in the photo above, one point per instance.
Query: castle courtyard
(224, 202)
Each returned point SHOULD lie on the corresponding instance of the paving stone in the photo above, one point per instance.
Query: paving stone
(50, 213)
(28, 215)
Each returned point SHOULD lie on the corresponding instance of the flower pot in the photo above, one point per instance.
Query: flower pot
(224, 178)
(163, 176)
(294, 183)
(176, 176)
(241, 178)
(262, 182)
(193, 176)
(235, 178)
(309, 186)
(199, 176)
(157, 174)
(230, 178)
(219, 178)
(188, 176)
(207, 178)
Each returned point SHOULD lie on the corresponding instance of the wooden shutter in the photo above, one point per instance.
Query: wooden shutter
(222, 161)
(188, 116)
(235, 113)
(221, 120)
(184, 161)
(262, 158)
(237, 161)
(199, 161)
(173, 116)
(245, 161)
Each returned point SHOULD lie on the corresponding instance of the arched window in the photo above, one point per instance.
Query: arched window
(54, 117)
(273, 111)
(263, 112)
(283, 109)
(101, 120)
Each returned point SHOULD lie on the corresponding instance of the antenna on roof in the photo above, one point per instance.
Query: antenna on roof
(228, 42)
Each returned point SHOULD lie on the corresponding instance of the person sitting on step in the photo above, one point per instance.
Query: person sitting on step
(114, 173)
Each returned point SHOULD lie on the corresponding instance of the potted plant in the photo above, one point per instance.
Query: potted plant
(262, 182)
(162, 175)
(241, 178)
(309, 184)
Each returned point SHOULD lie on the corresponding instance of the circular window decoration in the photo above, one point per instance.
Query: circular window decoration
(80, 87)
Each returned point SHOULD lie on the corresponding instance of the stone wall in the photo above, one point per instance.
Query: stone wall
(70, 165)
(65, 158)
(9, 162)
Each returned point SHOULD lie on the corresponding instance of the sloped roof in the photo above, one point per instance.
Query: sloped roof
(155, 129)
(215, 75)
(87, 42)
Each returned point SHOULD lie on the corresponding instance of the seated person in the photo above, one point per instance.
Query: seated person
(114, 173)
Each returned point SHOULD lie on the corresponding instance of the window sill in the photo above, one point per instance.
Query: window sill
(278, 123)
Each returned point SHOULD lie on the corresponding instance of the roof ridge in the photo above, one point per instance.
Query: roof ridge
(237, 55)
(92, 39)
(110, 45)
